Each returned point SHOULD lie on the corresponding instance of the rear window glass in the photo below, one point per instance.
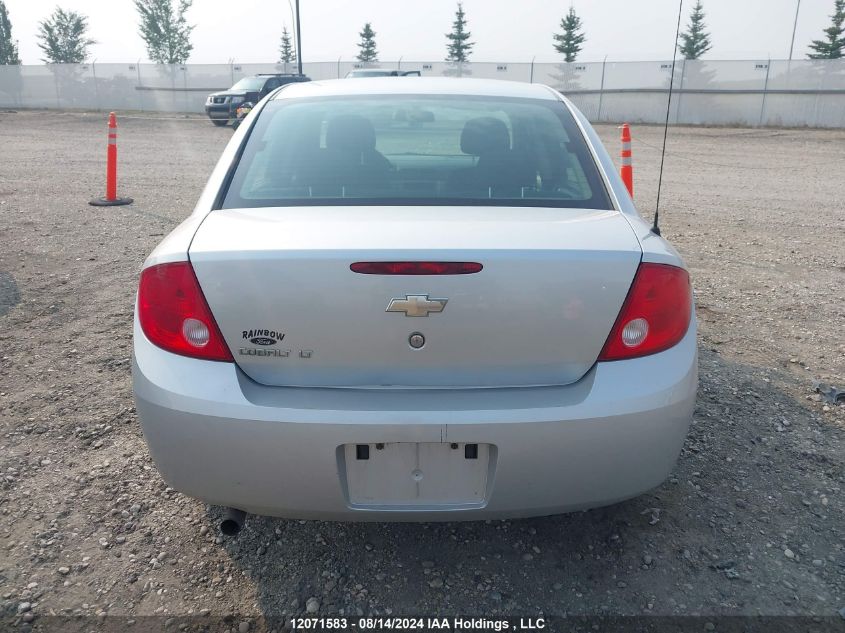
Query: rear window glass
(416, 150)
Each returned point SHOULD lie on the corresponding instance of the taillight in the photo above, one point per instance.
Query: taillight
(174, 315)
(655, 315)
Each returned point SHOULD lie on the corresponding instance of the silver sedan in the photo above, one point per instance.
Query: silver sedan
(414, 299)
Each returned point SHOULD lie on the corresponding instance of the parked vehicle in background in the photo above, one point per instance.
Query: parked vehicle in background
(361, 73)
(377, 316)
(221, 107)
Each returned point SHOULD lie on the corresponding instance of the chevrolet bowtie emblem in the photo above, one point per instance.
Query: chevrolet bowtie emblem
(416, 305)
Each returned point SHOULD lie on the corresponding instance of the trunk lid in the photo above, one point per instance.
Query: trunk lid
(279, 284)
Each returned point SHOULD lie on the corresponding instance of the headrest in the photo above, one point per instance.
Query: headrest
(484, 135)
(350, 133)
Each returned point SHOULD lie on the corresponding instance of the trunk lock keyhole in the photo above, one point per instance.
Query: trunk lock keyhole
(416, 340)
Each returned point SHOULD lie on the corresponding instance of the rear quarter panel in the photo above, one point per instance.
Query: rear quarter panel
(655, 248)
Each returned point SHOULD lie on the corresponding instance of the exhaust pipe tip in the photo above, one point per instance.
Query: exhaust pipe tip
(232, 521)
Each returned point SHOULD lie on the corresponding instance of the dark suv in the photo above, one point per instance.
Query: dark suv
(220, 106)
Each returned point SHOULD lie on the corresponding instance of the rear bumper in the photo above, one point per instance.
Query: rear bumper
(216, 435)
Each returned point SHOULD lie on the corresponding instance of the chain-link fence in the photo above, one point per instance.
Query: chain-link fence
(747, 92)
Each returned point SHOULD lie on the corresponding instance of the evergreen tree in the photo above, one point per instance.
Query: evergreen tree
(165, 30)
(367, 46)
(459, 46)
(696, 40)
(570, 41)
(287, 52)
(8, 48)
(64, 37)
(834, 46)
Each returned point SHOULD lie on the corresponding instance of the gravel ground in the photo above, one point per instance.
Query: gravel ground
(751, 522)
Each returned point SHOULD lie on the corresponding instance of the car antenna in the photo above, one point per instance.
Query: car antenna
(655, 228)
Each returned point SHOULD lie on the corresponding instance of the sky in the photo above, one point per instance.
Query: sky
(248, 31)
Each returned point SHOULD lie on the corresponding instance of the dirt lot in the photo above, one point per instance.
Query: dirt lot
(751, 522)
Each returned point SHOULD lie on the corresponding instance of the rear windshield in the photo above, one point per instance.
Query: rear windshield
(416, 150)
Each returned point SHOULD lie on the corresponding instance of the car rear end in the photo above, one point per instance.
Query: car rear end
(375, 318)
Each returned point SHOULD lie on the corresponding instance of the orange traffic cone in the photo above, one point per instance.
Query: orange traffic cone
(111, 198)
(627, 170)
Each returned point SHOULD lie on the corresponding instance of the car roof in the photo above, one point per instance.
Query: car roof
(417, 86)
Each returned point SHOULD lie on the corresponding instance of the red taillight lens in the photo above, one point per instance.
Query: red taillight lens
(174, 315)
(416, 268)
(655, 315)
